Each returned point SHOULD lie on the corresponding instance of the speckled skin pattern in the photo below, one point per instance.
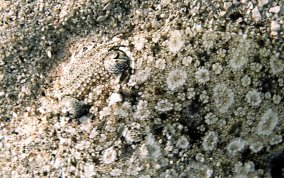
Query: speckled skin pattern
(203, 96)
(87, 70)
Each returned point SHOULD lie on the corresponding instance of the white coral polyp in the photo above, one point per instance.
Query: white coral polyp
(139, 42)
(115, 98)
(182, 142)
(160, 64)
(253, 98)
(164, 106)
(176, 79)
(89, 170)
(187, 60)
(202, 75)
(142, 110)
(109, 156)
(236, 146)
(240, 55)
(153, 148)
(210, 141)
(256, 147)
(175, 43)
(238, 62)
(223, 97)
(267, 123)
(140, 77)
(276, 65)
(116, 172)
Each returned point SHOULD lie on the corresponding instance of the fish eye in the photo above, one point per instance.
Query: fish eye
(117, 62)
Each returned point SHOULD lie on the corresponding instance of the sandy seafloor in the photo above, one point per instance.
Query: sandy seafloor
(114, 88)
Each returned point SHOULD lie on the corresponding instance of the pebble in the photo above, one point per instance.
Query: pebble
(49, 54)
(156, 24)
(236, 2)
(275, 27)
(84, 119)
(250, 5)
(256, 14)
(227, 5)
(114, 98)
(101, 18)
(106, 1)
(261, 3)
(2, 93)
(107, 7)
(1, 62)
(274, 9)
